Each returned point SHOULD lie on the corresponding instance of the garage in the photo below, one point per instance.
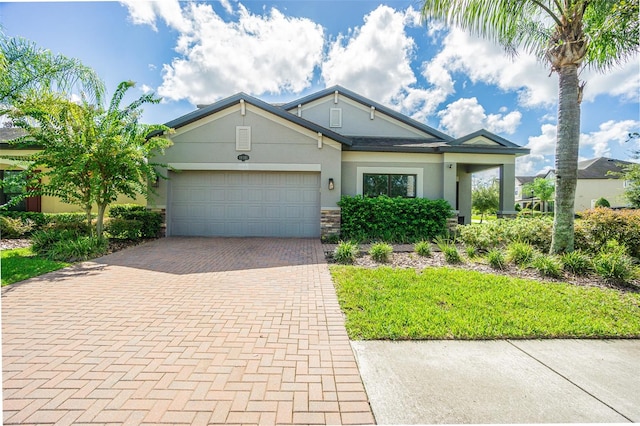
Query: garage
(244, 204)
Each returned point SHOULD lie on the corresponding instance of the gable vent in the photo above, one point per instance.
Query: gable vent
(335, 117)
(243, 138)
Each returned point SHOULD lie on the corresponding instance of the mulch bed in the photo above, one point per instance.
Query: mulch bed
(404, 257)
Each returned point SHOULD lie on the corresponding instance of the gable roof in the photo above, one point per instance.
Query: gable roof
(368, 103)
(601, 168)
(235, 99)
(438, 143)
(595, 168)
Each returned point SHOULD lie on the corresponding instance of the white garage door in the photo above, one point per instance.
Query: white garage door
(244, 204)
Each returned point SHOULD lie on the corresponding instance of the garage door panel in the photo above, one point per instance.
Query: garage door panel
(244, 204)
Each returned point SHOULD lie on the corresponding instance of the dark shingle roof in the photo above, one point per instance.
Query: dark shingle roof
(600, 168)
(368, 102)
(10, 133)
(433, 142)
(225, 103)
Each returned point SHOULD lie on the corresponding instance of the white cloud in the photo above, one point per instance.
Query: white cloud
(622, 81)
(486, 62)
(256, 54)
(375, 60)
(227, 6)
(466, 115)
(545, 143)
(146, 12)
(608, 135)
(146, 89)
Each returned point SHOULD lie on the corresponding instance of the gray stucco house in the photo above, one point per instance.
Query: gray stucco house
(244, 167)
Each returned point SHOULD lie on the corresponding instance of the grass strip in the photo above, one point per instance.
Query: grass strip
(21, 264)
(444, 303)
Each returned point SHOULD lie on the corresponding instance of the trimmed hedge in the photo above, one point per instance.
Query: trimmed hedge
(150, 222)
(393, 219)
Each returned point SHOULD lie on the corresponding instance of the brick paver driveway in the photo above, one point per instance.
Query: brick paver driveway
(182, 330)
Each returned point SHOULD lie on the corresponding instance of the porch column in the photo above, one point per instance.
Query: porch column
(449, 182)
(449, 186)
(507, 190)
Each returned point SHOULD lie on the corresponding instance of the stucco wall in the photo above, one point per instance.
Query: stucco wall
(426, 166)
(54, 204)
(592, 189)
(356, 119)
(276, 144)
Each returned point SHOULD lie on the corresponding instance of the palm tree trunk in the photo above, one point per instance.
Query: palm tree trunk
(566, 159)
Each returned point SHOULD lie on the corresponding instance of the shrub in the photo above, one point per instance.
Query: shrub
(520, 254)
(548, 265)
(497, 233)
(151, 222)
(125, 229)
(36, 218)
(119, 210)
(449, 249)
(576, 262)
(496, 259)
(423, 248)
(393, 219)
(380, 252)
(602, 203)
(346, 252)
(76, 222)
(597, 226)
(14, 227)
(42, 241)
(614, 264)
(471, 252)
(78, 249)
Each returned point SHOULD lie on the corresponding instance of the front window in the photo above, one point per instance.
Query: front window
(391, 185)
(13, 185)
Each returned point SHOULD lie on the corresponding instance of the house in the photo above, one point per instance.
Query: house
(244, 167)
(597, 178)
(14, 165)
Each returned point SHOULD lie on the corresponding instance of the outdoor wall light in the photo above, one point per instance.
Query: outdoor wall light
(450, 165)
(331, 184)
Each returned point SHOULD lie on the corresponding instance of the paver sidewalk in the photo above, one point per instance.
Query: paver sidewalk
(182, 331)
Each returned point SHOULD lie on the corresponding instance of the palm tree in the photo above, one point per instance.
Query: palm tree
(568, 35)
(27, 69)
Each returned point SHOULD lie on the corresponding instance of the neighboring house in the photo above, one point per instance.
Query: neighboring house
(244, 167)
(598, 177)
(14, 166)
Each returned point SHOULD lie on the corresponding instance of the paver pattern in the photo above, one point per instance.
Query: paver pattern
(182, 331)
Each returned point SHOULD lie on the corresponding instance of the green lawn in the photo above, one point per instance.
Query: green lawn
(20, 264)
(443, 303)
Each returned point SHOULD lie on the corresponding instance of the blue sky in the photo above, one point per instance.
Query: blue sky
(199, 52)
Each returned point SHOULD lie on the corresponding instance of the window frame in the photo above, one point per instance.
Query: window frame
(389, 184)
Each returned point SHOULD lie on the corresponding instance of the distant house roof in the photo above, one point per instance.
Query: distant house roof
(601, 168)
(10, 133)
(525, 179)
(595, 168)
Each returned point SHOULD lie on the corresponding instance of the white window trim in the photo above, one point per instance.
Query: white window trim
(419, 172)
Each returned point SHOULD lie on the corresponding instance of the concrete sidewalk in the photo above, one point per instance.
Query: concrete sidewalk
(506, 381)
